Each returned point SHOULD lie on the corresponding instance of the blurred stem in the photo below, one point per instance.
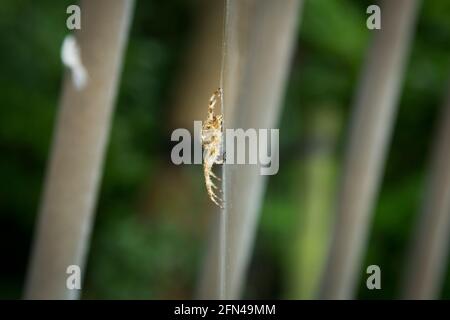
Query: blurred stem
(254, 79)
(316, 180)
(369, 135)
(200, 74)
(77, 155)
(428, 256)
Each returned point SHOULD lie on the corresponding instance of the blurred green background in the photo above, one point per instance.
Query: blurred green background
(149, 235)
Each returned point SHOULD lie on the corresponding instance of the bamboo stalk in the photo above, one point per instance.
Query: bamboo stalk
(259, 37)
(374, 113)
(429, 250)
(76, 160)
(200, 74)
(316, 176)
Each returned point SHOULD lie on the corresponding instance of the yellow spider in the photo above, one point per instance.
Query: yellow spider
(212, 132)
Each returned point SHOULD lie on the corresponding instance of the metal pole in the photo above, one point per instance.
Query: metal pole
(76, 160)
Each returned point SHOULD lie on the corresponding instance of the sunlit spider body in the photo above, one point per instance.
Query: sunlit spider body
(212, 132)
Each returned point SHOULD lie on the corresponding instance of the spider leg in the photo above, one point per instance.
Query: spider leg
(217, 203)
(213, 175)
(215, 196)
(216, 96)
(216, 199)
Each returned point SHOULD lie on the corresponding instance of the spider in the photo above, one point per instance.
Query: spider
(211, 138)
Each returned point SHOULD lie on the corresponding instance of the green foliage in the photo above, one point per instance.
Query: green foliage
(137, 255)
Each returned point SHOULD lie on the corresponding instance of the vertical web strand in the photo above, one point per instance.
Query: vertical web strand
(223, 215)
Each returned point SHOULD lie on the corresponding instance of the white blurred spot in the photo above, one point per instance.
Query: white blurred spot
(70, 56)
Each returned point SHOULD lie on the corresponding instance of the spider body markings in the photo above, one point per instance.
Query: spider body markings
(211, 138)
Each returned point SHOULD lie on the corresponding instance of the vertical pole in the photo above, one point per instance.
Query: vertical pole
(260, 36)
(428, 256)
(369, 135)
(77, 155)
(315, 174)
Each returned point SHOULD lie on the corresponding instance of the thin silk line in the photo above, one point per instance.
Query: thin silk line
(223, 260)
